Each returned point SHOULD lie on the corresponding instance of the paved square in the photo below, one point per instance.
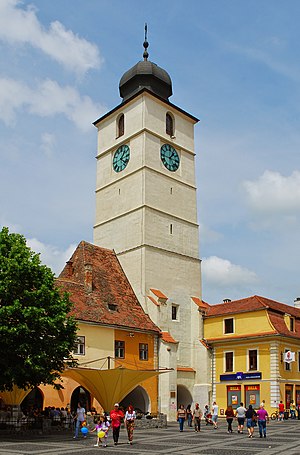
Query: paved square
(282, 438)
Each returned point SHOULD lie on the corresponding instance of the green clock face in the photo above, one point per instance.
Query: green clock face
(169, 157)
(121, 158)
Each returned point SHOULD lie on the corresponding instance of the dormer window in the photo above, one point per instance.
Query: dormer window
(292, 324)
(120, 125)
(169, 124)
(112, 307)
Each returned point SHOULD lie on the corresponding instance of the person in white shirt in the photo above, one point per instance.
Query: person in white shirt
(215, 413)
(130, 417)
(80, 417)
(240, 414)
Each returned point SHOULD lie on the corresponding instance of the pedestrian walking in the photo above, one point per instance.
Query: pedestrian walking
(251, 420)
(130, 417)
(197, 414)
(229, 418)
(240, 414)
(189, 415)
(101, 428)
(79, 419)
(116, 416)
(262, 419)
(280, 411)
(292, 409)
(181, 416)
(215, 413)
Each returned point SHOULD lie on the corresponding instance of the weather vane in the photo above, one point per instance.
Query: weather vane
(146, 44)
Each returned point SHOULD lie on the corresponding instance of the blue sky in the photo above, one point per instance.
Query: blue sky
(234, 64)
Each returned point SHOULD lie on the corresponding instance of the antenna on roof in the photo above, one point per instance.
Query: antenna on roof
(146, 44)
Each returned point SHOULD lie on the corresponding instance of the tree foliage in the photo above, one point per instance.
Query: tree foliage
(36, 333)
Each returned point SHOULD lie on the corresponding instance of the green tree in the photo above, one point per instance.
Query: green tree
(36, 333)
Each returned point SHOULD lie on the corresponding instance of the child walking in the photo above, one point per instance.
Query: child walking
(101, 428)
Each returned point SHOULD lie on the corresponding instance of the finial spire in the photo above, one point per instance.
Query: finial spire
(146, 44)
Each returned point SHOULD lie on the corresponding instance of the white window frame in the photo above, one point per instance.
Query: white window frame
(233, 362)
(233, 326)
(248, 359)
(80, 345)
(177, 312)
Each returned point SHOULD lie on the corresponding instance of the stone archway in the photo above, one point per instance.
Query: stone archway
(139, 398)
(34, 400)
(82, 395)
(184, 396)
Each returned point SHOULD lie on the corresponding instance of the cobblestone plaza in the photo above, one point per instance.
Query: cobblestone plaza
(282, 437)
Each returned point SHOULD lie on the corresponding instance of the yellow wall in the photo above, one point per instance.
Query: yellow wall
(244, 324)
(99, 344)
(255, 324)
(132, 360)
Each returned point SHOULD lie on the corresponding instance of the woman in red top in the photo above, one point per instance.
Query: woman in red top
(116, 416)
(229, 417)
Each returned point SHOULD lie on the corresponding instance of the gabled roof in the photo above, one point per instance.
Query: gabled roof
(100, 290)
(200, 303)
(159, 294)
(167, 337)
(253, 303)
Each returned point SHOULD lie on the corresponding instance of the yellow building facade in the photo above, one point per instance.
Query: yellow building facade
(248, 340)
(113, 331)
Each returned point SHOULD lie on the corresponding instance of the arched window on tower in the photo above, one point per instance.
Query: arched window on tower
(120, 125)
(169, 124)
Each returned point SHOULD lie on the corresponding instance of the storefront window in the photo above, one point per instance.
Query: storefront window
(252, 395)
(233, 396)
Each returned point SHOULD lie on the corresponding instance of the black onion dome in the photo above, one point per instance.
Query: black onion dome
(145, 74)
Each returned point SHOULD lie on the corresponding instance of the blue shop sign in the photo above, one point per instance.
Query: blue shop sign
(240, 376)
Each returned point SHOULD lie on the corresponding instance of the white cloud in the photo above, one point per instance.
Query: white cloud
(50, 255)
(273, 193)
(47, 144)
(222, 273)
(21, 26)
(47, 99)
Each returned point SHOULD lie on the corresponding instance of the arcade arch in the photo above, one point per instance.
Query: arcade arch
(34, 399)
(82, 395)
(184, 396)
(139, 398)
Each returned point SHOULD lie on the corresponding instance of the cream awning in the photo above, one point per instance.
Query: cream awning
(109, 386)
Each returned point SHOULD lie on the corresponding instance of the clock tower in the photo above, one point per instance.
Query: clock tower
(146, 211)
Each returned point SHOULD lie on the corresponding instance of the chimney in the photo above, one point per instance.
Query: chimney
(69, 268)
(297, 302)
(88, 277)
(226, 300)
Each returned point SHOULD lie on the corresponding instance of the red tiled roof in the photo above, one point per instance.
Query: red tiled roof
(187, 369)
(95, 279)
(200, 303)
(252, 303)
(275, 310)
(158, 294)
(280, 326)
(165, 336)
(153, 300)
